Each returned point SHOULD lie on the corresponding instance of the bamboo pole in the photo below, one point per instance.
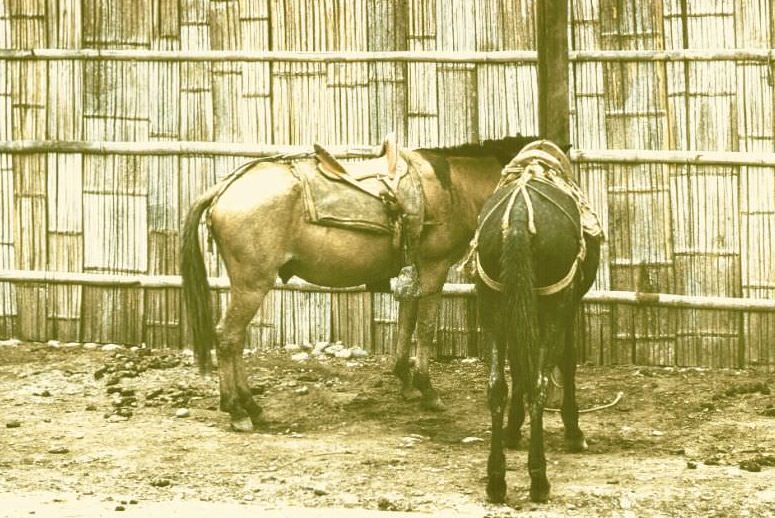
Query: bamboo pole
(397, 56)
(633, 298)
(553, 87)
(290, 152)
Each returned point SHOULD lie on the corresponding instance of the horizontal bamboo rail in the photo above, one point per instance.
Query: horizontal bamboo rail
(502, 56)
(631, 298)
(619, 156)
(160, 148)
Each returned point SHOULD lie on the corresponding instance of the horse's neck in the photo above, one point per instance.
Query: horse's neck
(475, 180)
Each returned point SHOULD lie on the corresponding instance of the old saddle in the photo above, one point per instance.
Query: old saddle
(382, 195)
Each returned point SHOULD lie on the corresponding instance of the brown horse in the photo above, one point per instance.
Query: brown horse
(259, 225)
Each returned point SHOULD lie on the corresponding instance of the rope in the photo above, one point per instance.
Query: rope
(613, 402)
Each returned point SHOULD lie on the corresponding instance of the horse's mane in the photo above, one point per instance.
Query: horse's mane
(504, 149)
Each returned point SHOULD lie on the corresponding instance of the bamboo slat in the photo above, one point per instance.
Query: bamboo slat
(28, 115)
(8, 296)
(754, 95)
(115, 188)
(65, 182)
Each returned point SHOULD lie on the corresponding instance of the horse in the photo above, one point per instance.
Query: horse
(534, 261)
(257, 218)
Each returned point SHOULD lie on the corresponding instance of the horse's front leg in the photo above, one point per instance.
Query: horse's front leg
(432, 277)
(407, 320)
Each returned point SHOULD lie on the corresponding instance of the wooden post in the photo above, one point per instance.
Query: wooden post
(552, 45)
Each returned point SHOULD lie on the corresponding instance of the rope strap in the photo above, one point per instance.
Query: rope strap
(544, 162)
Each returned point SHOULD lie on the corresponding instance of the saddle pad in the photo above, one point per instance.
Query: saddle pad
(335, 203)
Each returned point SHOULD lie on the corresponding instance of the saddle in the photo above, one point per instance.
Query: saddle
(382, 195)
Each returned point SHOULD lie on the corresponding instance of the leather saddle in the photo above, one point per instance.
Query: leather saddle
(381, 195)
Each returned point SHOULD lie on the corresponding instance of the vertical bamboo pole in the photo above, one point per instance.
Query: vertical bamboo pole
(8, 295)
(115, 187)
(753, 25)
(422, 83)
(552, 42)
(638, 196)
(162, 306)
(65, 171)
(707, 242)
(28, 106)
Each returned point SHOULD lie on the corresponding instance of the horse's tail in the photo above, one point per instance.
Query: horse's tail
(196, 291)
(518, 278)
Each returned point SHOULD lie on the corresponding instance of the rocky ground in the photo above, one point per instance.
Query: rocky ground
(87, 429)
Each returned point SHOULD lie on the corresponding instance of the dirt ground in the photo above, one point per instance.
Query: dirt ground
(339, 441)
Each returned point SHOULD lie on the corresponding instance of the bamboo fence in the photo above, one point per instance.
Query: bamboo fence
(116, 114)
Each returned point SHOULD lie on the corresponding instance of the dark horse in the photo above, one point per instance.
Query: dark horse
(530, 239)
(258, 221)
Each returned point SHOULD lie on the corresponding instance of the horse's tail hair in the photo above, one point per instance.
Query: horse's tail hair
(196, 291)
(518, 278)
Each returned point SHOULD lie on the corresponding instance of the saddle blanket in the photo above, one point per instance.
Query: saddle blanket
(329, 201)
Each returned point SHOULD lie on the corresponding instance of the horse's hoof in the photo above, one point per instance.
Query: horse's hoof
(433, 403)
(496, 490)
(539, 493)
(411, 394)
(242, 424)
(576, 444)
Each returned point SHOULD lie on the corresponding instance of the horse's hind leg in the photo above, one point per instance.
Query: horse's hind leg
(235, 392)
(512, 433)
(574, 437)
(497, 392)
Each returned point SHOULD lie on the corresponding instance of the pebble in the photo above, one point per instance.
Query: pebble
(343, 353)
(691, 465)
(58, 450)
(120, 508)
(332, 349)
(42, 393)
(358, 352)
(91, 407)
(111, 347)
(319, 348)
(300, 357)
(160, 482)
(471, 440)
(302, 391)
(14, 423)
(182, 412)
(292, 348)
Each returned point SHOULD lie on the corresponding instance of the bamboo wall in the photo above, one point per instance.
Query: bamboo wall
(699, 230)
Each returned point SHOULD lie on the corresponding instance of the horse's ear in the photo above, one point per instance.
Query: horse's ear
(390, 150)
(328, 161)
